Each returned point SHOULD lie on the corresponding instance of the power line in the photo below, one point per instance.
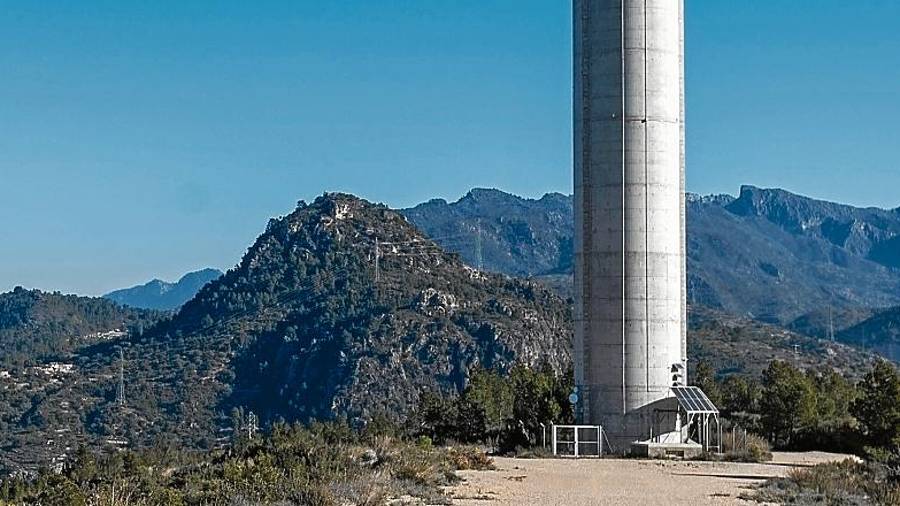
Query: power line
(427, 240)
(831, 323)
(377, 261)
(120, 392)
(479, 257)
(252, 425)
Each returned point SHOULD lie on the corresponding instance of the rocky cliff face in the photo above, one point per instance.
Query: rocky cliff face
(778, 257)
(866, 233)
(515, 236)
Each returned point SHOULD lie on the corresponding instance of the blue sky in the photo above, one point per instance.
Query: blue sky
(145, 139)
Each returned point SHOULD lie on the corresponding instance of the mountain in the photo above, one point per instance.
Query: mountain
(340, 294)
(162, 295)
(768, 254)
(41, 336)
(790, 255)
(515, 236)
(341, 308)
(738, 345)
(35, 325)
(880, 333)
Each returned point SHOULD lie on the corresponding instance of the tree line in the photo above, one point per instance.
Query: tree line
(813, 409)
(794, 409)
(506, 411)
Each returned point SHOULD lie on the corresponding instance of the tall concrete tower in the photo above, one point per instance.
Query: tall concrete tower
(630, 343)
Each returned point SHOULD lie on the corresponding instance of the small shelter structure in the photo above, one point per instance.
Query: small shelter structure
(696, 421)
(700, 417)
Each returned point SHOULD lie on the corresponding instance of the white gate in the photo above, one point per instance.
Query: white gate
(577, 441)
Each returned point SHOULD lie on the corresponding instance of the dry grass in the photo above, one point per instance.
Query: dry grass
(749, 448)
(836, 484)
(318, 466)
(470, 458)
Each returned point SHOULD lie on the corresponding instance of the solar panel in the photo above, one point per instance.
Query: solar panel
(693, 400)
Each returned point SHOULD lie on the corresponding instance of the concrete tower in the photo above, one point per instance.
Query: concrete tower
(630, 343)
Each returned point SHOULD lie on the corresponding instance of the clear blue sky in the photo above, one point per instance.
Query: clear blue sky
(145, 139)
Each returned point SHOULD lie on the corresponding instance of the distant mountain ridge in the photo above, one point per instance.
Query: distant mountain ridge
(517, 236)
(869, 233)
(777, 256)
(768, 254)
(162, 295)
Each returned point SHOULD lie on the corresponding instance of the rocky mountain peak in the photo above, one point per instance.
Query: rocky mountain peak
(721, 200)
(793, 213)
(488, 194)
(342, 292)
(871, 233)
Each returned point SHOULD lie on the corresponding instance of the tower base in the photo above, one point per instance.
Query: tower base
(646, 449)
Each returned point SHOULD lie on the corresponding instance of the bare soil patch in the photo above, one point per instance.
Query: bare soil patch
(520, 482)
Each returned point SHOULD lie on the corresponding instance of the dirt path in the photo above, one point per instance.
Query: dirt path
(621, 482)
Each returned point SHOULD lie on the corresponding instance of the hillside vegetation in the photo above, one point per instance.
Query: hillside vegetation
(880, 333)
(735, 345)
(35, 325)
(324, 465)
(305, 327)
(341, 309)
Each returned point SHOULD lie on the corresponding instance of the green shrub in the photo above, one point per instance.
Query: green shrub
(320, 465)
(425, 443)
(59, 491)
(497, 408)
(878, 406)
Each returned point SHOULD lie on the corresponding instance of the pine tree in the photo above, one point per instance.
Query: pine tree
(878, 407)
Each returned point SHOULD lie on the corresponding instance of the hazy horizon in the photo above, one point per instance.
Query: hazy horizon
(140, 143)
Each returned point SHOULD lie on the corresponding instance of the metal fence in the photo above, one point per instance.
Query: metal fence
(577, 441)
(735, 439)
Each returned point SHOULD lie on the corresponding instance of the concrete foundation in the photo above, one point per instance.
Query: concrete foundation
(630, 343)
(666, 450)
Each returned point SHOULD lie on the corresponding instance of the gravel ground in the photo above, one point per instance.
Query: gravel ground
(519, 482)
